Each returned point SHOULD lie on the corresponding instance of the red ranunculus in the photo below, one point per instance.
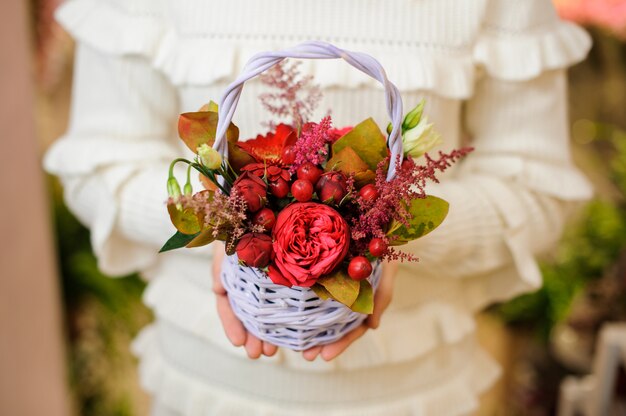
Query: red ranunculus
(255, 249)
(310, 240)
(252, 189)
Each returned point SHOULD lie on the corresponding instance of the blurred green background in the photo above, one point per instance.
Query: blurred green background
(546, 335)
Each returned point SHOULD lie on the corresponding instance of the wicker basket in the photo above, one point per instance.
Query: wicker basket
(291, 317)
(296, 317)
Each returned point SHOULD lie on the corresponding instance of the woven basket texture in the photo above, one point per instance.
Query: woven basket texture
(290, 317)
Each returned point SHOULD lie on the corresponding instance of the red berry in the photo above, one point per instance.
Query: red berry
(266, 218)
(310, 172)
(288, 155)
(279, 188)
(332, 191)
(359, 268)
(369, 193)
(377, 247)
(302, 190)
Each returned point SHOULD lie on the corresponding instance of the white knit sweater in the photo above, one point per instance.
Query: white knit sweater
(493, 74)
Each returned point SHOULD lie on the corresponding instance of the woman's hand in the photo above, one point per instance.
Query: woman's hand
(382, 298)
(233, 327)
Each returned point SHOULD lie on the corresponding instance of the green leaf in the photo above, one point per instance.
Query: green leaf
(367, 141)
(364, 303)
(178, 240)
(341, 287)
(185, 220)
(321, 292)
(426, 215)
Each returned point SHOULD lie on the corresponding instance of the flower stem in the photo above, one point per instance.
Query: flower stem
(173, 187)
(211, 175)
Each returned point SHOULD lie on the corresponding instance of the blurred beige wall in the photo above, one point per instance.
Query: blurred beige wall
(32, 370)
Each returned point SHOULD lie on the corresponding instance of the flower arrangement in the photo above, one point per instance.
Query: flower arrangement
(308, 205)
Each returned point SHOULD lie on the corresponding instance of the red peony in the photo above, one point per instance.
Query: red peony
(255, 249)
(310, 240)
(252, 189)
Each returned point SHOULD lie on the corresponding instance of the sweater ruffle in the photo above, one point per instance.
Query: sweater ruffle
(520, 56)
(190, 395)
(203, 60)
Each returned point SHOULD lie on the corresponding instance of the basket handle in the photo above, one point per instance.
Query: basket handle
(313, 50)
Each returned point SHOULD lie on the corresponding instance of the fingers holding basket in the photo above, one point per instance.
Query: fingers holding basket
(331, 351)
(233, 328)
(218, 256)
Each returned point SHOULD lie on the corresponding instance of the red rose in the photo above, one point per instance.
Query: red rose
(332, 185)
(255, 249)
(310, 240)
(252, 189)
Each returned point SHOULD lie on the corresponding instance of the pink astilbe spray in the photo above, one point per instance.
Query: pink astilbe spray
(312, 146)
(408, 184)
(225, 215)
(296, 96)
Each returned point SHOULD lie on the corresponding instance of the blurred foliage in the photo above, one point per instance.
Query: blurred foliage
(589, 248)
(102, 316)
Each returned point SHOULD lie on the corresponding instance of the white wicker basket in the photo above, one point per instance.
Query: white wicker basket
(291, 317)
(295, 317)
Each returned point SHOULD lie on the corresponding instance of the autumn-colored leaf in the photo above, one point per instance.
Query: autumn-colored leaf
(185, 220)
(210, 106)
(367, 141)
(237, 157)
(426, 215)
(200, 127)
(321, 292)
(341, 287)
(348, 161)
(208, 184)
(364, 303)
(205, 237)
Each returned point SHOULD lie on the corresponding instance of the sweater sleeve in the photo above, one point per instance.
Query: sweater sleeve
(113, 159)
(509, 199)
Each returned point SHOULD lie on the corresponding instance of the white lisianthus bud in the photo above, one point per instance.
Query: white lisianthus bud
(420, 139)
(209, 157)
